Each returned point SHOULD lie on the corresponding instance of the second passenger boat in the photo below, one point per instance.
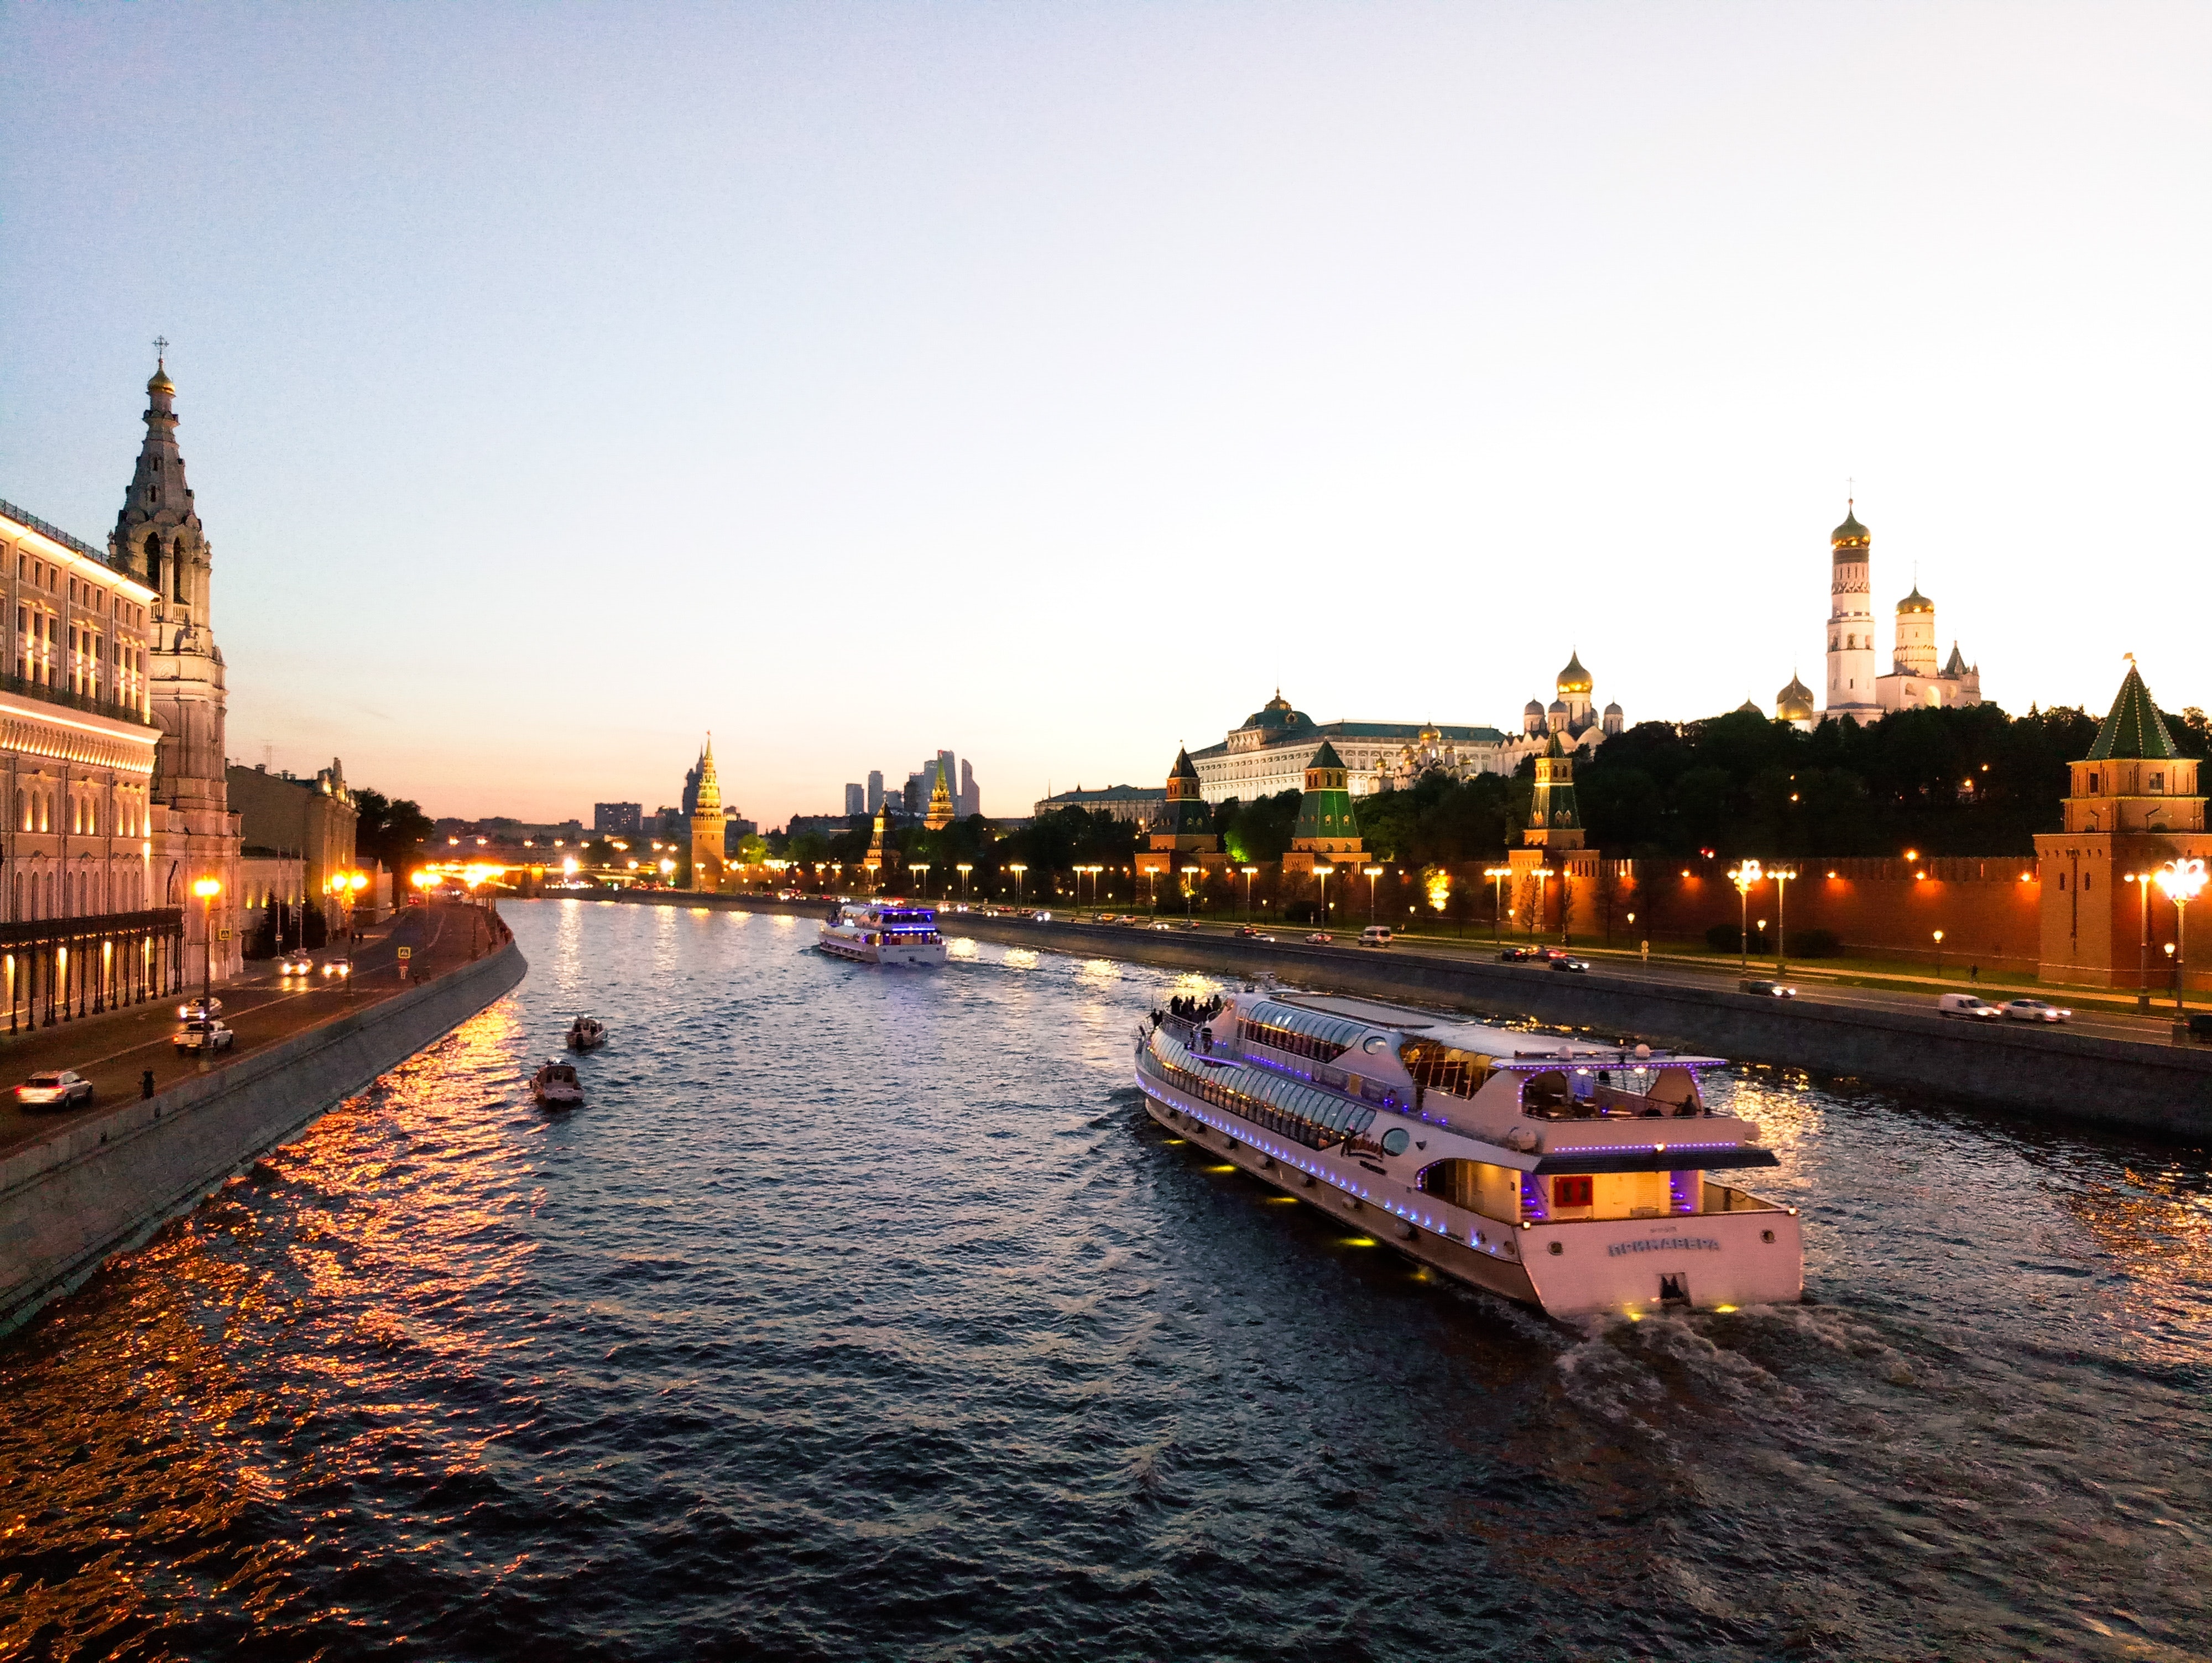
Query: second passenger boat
(1573, 1176)
(884, 933)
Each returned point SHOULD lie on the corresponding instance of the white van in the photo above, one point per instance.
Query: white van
(1969, 1006)
(1375, 935)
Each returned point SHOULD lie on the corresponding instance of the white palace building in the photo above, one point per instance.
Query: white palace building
(1270, 752)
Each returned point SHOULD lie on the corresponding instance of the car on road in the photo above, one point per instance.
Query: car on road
(341, 966)
(56, 1088)
(1375, 935)
(2035, 1010)
(1773, 989)
(1565, 962)
(1248, 930)
(296, 964)
(1320, 939)
(198, 1010)
(204, 1036)
(1040, 918)
(1969, 1006)
(1518, 955)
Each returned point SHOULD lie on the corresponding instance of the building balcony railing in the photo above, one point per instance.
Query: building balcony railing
(53, 533)
(61, 695)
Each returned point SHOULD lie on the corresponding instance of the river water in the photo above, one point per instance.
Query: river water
(865, 1315)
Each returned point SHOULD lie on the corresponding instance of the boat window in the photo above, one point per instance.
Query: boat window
(1395, 1140)
(1299, 1032)
(1546, 1094)
(1289, 1107)
(1375, 1043)
(1445, 1068)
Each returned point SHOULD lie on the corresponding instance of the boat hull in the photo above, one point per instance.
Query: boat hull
(1631, 1266)
(920, 954)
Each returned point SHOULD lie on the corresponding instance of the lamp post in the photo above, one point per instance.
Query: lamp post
(1542, 875)
(1781, 874)
(921, 870)
(1017, 868)
(2181, 879)
(1496, 875)
(1188, 890)
(1324, 873)
(1251, 872)
(207, 889)
(1371, 873)
(2142, 881)
(1939, 955)
(1744, 875)
(963, 869)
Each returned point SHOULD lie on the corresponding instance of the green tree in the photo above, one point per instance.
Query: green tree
(393, 831)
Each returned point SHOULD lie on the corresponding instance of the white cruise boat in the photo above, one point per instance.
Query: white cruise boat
(884, 933)
(1573, 1176)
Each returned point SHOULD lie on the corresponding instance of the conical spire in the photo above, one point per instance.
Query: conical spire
(2133, 727)
(940, 813)
(710, 788)
(158, 533)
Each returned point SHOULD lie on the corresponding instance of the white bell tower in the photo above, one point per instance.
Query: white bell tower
(1852, 660)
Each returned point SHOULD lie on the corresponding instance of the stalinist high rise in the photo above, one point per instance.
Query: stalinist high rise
(158, 540)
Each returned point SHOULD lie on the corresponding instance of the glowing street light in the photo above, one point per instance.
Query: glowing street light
(1939, 955)
(2142, 882)
(1781, 874)
(963, 869)
(1017, 868)
(1496, 875)
(921, 870)
(1371, 873)
(1745, 876)
(1324, 873)
(1541, 874)
(2181, 879)
(207, 889)
(1188, 872)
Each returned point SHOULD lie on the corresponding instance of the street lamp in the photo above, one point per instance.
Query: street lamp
(1536, 923)
(921, 870)
(207, 889)
(1744, 877)
(1781, 874)
(2142, 882)
(1939, 955)
(963, 869)
(1371, 873)
(2181, 879)
(1017, 868)
(1324, 873)
(1188, 888)
(1496, 875)
(1251, 872)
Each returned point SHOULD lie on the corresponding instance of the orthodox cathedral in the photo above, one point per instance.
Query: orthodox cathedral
(1857, 687)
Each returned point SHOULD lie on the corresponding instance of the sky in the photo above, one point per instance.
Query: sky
(1048, 383)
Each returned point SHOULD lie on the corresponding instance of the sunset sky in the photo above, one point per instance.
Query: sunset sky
(1049, 382)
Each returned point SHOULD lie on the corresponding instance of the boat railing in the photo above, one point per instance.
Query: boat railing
(1722, 1198)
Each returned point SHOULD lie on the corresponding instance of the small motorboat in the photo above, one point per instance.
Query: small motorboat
(556, 1086)
(586, 1033)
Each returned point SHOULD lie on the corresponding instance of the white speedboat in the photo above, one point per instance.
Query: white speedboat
(884, 933)
(556, 1086)
(586, 1033)
(1573, 1176)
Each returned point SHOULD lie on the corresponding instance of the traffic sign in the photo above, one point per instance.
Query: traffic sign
(222, 935)
(407, 952)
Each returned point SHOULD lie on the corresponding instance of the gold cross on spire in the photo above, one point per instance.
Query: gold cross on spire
(161, 348)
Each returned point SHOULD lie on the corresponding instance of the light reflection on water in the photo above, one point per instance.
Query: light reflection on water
(861, 1314)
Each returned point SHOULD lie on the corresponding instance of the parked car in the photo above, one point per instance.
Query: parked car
(1516, 955)
(1765, 984)
(204, 1036)
(296, 964)
(198, 1009)
(1320, 939)
(1375, 935)
(56, 1088)
(1564, 962)
(340, 966)
(2035, 1010)
(1969, 1006)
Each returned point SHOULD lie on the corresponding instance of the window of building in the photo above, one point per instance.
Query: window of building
(2158, 782)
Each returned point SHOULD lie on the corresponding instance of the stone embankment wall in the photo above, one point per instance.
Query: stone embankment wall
(2048, 1072)
(100, 1185)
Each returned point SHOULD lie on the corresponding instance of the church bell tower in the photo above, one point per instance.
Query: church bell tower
(158, 540)
(1850, 621)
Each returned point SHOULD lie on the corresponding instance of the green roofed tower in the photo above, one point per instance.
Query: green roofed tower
(1185, 824)
(1554, 821)
(1326, 825)
(2133, 728)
